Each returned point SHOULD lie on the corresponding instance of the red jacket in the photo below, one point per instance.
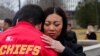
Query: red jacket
(23, 40)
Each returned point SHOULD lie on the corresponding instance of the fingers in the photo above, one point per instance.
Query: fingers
(46, 42)
(47, 38)
(49, 47)
(50, 42)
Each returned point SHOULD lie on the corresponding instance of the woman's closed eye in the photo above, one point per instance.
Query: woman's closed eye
(57, 24)
(46, 23)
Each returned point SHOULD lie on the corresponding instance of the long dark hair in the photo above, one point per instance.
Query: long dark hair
(61, 13)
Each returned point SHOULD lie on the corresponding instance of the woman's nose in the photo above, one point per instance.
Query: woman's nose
(51, 27)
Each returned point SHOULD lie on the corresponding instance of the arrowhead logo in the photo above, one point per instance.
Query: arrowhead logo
(9, 38)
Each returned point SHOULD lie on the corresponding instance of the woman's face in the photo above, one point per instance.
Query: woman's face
(53, 25)
(90, 28)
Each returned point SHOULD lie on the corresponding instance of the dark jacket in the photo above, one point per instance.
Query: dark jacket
(92, 35)
(72, 35)
(71, 48)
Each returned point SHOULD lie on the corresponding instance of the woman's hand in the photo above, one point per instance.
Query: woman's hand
(54, 44)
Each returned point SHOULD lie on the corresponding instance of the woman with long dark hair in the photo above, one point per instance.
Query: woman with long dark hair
(54, 26)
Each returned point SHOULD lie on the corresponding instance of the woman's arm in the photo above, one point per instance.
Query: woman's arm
(72, 49)
(69, 52)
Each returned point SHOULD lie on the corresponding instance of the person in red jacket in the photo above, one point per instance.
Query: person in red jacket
(24, 39)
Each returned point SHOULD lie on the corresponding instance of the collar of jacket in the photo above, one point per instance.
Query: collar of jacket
(25, 24)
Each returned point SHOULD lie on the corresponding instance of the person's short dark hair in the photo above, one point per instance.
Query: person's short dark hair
(9, 21)
(61, 13)
(31, 13)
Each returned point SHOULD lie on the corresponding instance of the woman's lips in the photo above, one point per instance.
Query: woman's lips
(51, 34)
